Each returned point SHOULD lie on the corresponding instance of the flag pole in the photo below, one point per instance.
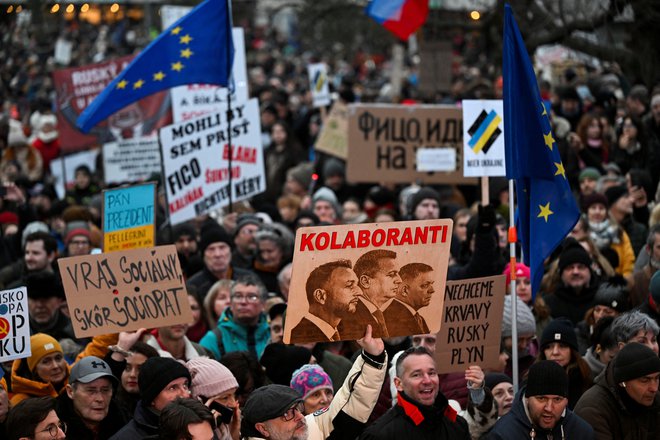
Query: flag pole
(513, 237)
(230, 116)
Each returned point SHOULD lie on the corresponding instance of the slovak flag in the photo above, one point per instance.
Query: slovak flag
(401, 17)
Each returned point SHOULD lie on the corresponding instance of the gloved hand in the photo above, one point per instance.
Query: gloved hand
(486, 218)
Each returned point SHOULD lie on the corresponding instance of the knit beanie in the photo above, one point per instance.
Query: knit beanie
(214, 234)
(310, 378)
(328, 195)
(612, 294)
(572, 254)
(559, 330)
(614, 193)
(546, 378)
(42, 284)
(182, 229)
(8, 218)
(16, 135)
(209, 377)
(654, 287)
(246, 219)
(155, 374)
(76, 232)
(526, 324)
(634, 360)
(333, 167)
(302, 173)
(280, 361)
(589, 173)
(424, 193)
(522, 271)
(494, 379)
(593, 199)
(42, 345)
(31, 227)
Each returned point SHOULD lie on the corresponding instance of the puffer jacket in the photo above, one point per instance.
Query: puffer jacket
(235, 336)
(516, 425)
(613, 415)
(355, 400)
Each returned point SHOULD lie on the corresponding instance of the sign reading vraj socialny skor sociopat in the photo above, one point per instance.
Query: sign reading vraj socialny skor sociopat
(388, 275)
(14, 325)
(129, 215)
(125, 290)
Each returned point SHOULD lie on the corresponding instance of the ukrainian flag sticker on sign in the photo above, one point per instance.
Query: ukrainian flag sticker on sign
(483, 138)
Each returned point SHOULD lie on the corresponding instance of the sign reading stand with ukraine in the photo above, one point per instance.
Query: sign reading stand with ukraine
(483, 139)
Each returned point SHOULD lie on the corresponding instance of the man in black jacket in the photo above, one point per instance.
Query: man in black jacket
(422, 411)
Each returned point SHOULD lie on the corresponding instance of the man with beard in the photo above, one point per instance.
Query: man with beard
(577, 287)
(275, 412)
(416, 291)
(642, 278)
(333, 294)
(39, 253)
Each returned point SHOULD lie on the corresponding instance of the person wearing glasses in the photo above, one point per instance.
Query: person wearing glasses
(243, 326)
(86, 406)
(276, 412)
(162, 380)
(35, 419)
(78, 242)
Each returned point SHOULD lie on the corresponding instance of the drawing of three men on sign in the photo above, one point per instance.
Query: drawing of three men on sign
(344, 298)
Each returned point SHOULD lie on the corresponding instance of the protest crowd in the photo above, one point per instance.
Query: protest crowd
(586, 342)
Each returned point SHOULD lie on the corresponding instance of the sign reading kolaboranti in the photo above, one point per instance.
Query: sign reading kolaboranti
(129, 216)
(388, 275)
(196, 153)
(383, 140)
(14, 325)
(471, 324)
(483, 136)
(125, 291)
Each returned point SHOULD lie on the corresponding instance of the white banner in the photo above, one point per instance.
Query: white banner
(14, 325)
(318, 84)
(131, 160)
(195, 155)
(483, 138)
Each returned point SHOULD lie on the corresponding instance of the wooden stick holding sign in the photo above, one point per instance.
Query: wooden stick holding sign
(471, 326)
(125, 290)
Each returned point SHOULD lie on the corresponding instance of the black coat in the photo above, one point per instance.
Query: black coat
(516, 425)
(76, 429)
(144, 424)
(565, 302)
(437, 422)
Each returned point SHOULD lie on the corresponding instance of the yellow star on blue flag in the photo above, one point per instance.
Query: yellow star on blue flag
(197, 49)
(547, 210)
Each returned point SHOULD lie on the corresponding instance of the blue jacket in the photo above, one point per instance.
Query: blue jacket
(516, 425)
(235, 336)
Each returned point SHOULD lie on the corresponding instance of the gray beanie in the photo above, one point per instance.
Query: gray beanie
(328, 195)
(525, 319)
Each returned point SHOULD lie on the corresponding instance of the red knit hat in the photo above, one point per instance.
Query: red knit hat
(75, 232)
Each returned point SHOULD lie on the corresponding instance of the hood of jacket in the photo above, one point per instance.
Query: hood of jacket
(33, 388)
(521, 416)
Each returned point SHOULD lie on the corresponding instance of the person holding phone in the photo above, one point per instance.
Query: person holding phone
(215, 386)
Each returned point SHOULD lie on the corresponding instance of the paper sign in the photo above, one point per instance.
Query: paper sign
(333, 138)
(436, 159)
(131, 160)
(382, 140)
(318, 84)
(14, 325)
(129, 216)
(483, 138)
(196, 153)
(125, 291)
(389, 275)
(66, 166)
(471, 324)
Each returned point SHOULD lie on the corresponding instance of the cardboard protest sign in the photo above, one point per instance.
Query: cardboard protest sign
(63, 168)
(383, 139)
(129, 217)
(333, 138)
(319, 84)
(131, 160)
(125, 291)
(77, 87)
(471, 324)
(483, 138)
(14, 325)
(389, 275)
(195, 155)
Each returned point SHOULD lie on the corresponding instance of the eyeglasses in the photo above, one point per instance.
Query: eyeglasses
(291, 412)
(53, 429)
(79, 242)
(251, 298)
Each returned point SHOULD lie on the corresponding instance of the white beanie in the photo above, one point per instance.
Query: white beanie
(526, 324)
(209, 377)
(16, 135)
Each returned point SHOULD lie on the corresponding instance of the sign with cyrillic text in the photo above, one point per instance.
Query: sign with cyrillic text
(471, 324)
(383, 140)
(129, 217)
(387, 275)
(196, 161)
(125, 291)
(14, 325)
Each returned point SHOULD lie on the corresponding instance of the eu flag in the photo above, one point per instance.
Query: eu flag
(197, 49)
(547, 210)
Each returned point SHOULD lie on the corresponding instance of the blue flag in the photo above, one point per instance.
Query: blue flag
(547, 210)
(197, 49)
